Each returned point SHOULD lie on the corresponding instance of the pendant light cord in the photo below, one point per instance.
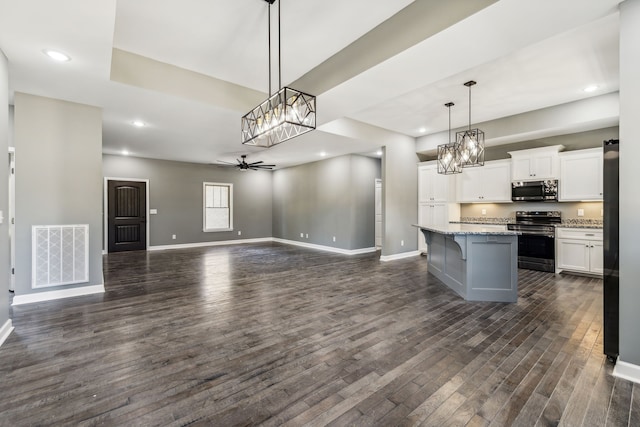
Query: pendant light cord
(269, 44)
(449, 107)
(279, 54)
(469, 107)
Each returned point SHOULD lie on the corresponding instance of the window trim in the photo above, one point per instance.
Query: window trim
(204, 207)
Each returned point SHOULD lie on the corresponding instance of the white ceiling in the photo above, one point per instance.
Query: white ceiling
(524, 55)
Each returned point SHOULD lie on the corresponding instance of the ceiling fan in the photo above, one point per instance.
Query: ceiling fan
(243, 165)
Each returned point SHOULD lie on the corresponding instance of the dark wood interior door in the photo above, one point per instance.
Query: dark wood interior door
(127, 216)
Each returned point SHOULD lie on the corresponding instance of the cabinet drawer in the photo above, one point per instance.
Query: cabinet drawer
(579, 233)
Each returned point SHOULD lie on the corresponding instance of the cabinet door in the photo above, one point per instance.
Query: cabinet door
(496, 186)
(440, 187)
(470, 185)
(596, 255)
(521, 169)
(425, 217)
(544, 166)
(440, 214)
(581, 177)
(573, 255)
(424, 184)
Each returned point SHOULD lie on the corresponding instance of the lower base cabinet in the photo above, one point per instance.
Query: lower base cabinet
(579, 250)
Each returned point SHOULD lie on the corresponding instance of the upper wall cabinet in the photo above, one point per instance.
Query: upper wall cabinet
(434, 187)
(535, 164)
(485, 184)
(581, 175)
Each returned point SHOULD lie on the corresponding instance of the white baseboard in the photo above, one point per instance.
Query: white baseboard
(399, 256)
(627, 371)
(5, 331)
(326, 248)
(53, 295)
(205, 244)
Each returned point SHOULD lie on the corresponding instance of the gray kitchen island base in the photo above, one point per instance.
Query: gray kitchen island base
(477, 266)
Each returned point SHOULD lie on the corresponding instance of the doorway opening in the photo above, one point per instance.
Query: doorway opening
(378, 202)
(12, 216)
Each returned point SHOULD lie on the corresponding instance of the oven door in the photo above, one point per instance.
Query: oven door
(536, 251)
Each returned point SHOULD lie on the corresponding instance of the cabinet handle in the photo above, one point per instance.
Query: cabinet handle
(586, 246)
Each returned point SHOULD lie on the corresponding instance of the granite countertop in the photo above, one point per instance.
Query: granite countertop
(574, 225)
(566, 223)
(478, 229)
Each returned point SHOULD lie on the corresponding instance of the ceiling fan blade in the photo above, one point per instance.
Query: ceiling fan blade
(255, 163)
(223, 163)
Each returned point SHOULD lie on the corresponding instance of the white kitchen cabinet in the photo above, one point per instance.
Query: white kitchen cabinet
(439, 214)
(535, 164)
(490, 183)
(436, 199)
(433, 186)
(581, 175)
(579, 250)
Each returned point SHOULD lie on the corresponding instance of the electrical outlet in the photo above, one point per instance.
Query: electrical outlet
(580, 212)
(484, 211)
(302, 235)
(239, 233)
(334, 238)
(173, 236)
(601, 212)
(401, 242)
(307, 235)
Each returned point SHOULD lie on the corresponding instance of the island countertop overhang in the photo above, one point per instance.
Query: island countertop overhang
(469, 229)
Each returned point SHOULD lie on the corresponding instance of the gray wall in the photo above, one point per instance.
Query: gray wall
(629, 200)
(5, 262)
(58, 177)
(333, 197)
(399, 197)
(175, 190)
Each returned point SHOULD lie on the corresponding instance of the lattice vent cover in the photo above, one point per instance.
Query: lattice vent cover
(60, 255)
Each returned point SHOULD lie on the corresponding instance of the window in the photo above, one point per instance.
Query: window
(218, 206)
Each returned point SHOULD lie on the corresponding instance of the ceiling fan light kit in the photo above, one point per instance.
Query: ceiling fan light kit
(243, 165)
(284, 115)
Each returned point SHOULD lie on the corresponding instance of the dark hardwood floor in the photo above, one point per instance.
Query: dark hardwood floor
(277, 335)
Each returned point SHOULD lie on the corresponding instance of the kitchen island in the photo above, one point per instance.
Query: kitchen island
(478, 262)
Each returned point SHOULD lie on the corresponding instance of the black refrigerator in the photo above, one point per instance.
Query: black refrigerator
(611, 292)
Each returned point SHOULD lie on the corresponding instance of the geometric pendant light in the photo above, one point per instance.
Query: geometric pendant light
(283, 115)
(448, 154)
(470, 143)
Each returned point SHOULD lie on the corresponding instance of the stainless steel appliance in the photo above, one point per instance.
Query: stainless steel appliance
(611, 296)
(537, 243)
(535, 191)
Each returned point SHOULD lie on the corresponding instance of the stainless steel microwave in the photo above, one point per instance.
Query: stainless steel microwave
(535, 191)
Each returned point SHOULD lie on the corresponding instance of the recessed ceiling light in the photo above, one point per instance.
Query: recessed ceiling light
(322, 154)
(591, 88)
(379, 152)
(422, 130)
(138, 123)
(125, 152)
(57, 55)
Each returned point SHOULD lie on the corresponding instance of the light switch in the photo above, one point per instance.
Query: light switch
(580, 212)
(1, 217)
(153, 211)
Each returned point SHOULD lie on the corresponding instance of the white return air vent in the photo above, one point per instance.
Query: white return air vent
(60, 255)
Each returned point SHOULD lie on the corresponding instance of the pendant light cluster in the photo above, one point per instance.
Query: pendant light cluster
(283, 115)
(466, 151)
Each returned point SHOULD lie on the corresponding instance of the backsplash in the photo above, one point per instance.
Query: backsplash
(485, 220)
(500, 211)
